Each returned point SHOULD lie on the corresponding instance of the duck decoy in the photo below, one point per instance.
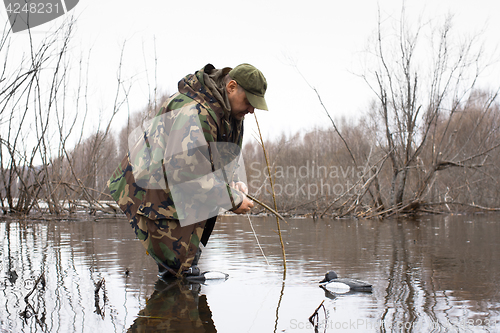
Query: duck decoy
(211, 277)
(333, 283)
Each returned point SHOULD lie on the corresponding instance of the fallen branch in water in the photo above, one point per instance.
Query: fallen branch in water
(41, 280)
(30, 310)
(365, 185)
(101, 284)
(98, 286)
(315, 315)
(488, 209)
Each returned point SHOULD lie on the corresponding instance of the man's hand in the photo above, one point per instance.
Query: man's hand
(245, 206)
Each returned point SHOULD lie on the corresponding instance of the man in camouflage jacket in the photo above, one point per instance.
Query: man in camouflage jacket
(163, 185)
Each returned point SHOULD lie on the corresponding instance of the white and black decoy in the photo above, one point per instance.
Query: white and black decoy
(333, 283)
(211, 277)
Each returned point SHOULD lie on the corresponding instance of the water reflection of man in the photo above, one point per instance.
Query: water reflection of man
(221, 98)
(175, 306)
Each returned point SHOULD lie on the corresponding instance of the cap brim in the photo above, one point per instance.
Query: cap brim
(256, 101)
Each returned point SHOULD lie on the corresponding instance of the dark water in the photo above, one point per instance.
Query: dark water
(436, 273)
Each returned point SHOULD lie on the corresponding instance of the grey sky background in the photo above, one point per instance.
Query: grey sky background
(324, 39)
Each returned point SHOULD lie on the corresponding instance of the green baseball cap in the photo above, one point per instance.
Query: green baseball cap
(253, 82)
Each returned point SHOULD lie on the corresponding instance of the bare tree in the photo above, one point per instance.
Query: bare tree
(416, 96)
(30, 85)
(42, 106)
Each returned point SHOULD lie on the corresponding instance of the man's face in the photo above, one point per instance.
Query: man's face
(240, 105)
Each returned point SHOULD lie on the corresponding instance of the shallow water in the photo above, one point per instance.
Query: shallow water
(436, 273)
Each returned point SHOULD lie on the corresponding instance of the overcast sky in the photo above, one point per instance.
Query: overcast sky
(324, 39)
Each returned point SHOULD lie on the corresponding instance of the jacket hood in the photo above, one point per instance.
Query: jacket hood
(206, 86)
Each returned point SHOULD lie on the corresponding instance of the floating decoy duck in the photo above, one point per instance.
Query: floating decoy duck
(211, 277)
(333, 283)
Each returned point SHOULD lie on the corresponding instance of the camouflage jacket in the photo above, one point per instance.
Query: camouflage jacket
(134, 193)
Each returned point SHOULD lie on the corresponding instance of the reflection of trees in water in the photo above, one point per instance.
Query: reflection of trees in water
(51, 272)
(438, 275)
(402, 289)
(24, 292)
(175, 306)
(431, 270)
(426, 271)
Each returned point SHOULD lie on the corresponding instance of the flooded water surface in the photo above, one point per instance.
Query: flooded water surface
(436, 273)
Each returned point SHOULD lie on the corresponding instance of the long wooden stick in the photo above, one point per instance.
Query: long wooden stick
(274, 196)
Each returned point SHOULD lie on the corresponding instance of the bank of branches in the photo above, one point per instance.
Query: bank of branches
(454, 170)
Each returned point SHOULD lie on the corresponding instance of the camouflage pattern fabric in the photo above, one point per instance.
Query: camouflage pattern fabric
(148, 201)
(172, 149)
(169, 243)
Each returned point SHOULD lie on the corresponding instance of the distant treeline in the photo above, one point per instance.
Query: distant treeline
(456, 169)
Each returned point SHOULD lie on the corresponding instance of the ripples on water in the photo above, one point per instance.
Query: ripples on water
(432, 273)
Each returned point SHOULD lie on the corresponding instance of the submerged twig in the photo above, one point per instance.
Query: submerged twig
(30, 310)
(279, 303)
(101, 284)
(41, 279)
(98, 286)
(315, 316)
